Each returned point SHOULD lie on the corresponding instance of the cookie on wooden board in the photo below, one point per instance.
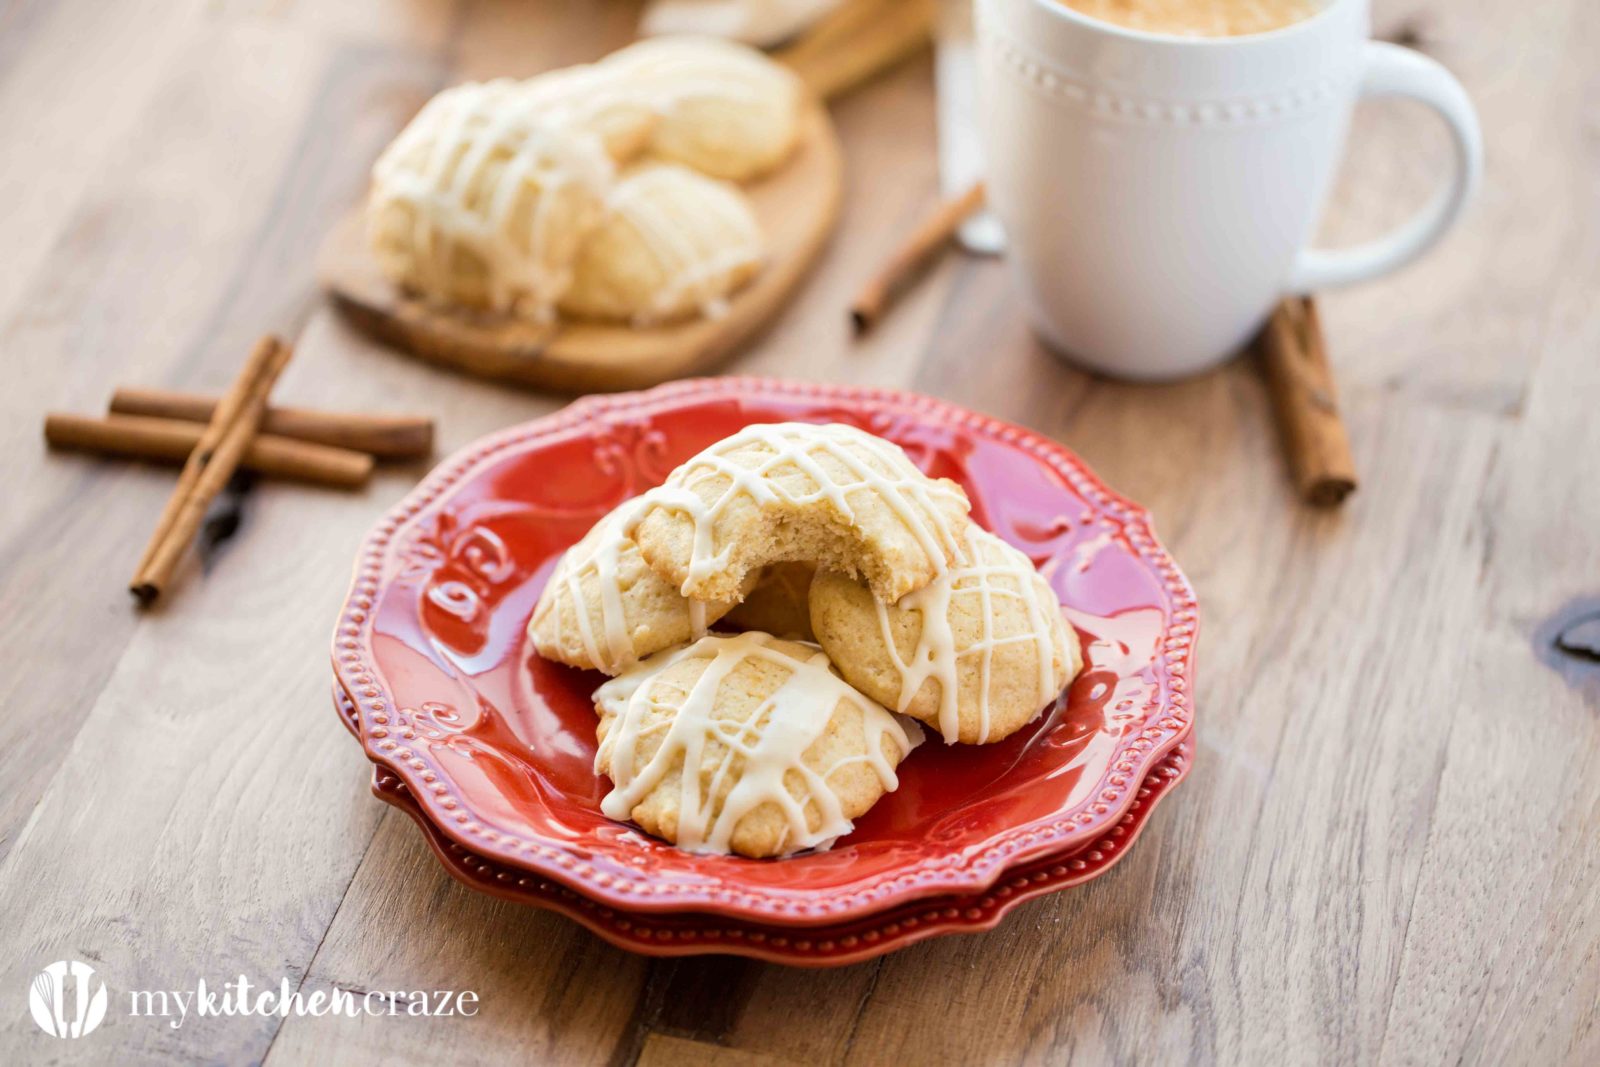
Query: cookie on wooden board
(725, 109)
(479, 203)
(598, 100)
(672, 244)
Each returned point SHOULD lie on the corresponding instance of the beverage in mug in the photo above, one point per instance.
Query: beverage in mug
(1159, 190)
(1197, 18)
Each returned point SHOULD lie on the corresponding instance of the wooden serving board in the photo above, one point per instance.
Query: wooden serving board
(796, 205)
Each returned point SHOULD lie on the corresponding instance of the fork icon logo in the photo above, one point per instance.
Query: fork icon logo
(62, 1002)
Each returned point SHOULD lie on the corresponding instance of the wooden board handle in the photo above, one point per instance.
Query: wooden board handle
(857, 40)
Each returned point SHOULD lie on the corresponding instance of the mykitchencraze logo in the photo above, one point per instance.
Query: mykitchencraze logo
(241, 997)
(66, 1001)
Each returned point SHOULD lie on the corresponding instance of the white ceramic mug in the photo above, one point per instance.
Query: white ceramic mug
(1159, 193)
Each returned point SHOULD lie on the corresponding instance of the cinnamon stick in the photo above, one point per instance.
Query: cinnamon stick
(214, 459)
(172, 440)
(1306, 402)
(858, 40)
(389, 436)
(912, 258)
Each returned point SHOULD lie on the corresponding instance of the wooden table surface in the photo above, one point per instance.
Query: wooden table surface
(1389, 847)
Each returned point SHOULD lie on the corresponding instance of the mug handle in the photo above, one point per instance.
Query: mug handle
(1395, 71)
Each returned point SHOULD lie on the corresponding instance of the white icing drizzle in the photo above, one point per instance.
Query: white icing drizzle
(647, 201)
(599, 554)
(910, 494)
(439, 166)
(991, 566)
(599, 557)
(758, 753)
(580, 96)
(599, 99)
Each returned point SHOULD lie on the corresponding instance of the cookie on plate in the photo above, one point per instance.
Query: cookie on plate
(779, 603)
(479, 203)
(673, 244)
(744, 744)
(726, 109)
(977, 653)
(605, 610)
(831, 495)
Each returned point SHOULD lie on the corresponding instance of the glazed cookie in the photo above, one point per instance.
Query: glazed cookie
(598, 99)
(726, 109)
(744, 744)
(479, 203)
(673, 244)
(977, 653)
(779, 603)
(831, 495)
(604, 610)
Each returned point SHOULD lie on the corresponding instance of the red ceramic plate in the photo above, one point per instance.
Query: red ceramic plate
(496, 745)
(687, 934)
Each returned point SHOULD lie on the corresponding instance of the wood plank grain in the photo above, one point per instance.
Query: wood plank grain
(205, 821)
(162, 275)
(1351, 873)
(182, 874)
(62, 142)
(548, 992)
(1324, 864)
(525, 963)
(888, 185)
(1247, 856)
(1459, 328)
(1501, 954)
(663, 1050)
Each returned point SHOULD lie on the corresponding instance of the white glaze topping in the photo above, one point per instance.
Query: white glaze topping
(757, 753)
(993, 572)
(580, 96)
(464, 169)
(440, 166)
(893, 479)
(598, 557)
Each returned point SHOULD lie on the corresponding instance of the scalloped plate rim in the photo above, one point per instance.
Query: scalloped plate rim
(943, 925)
(975, 871)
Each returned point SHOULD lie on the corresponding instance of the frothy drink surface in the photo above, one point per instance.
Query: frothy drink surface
(1197, 18)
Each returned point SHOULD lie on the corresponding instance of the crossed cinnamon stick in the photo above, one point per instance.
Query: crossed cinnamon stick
(215, 457)
(214, 437)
